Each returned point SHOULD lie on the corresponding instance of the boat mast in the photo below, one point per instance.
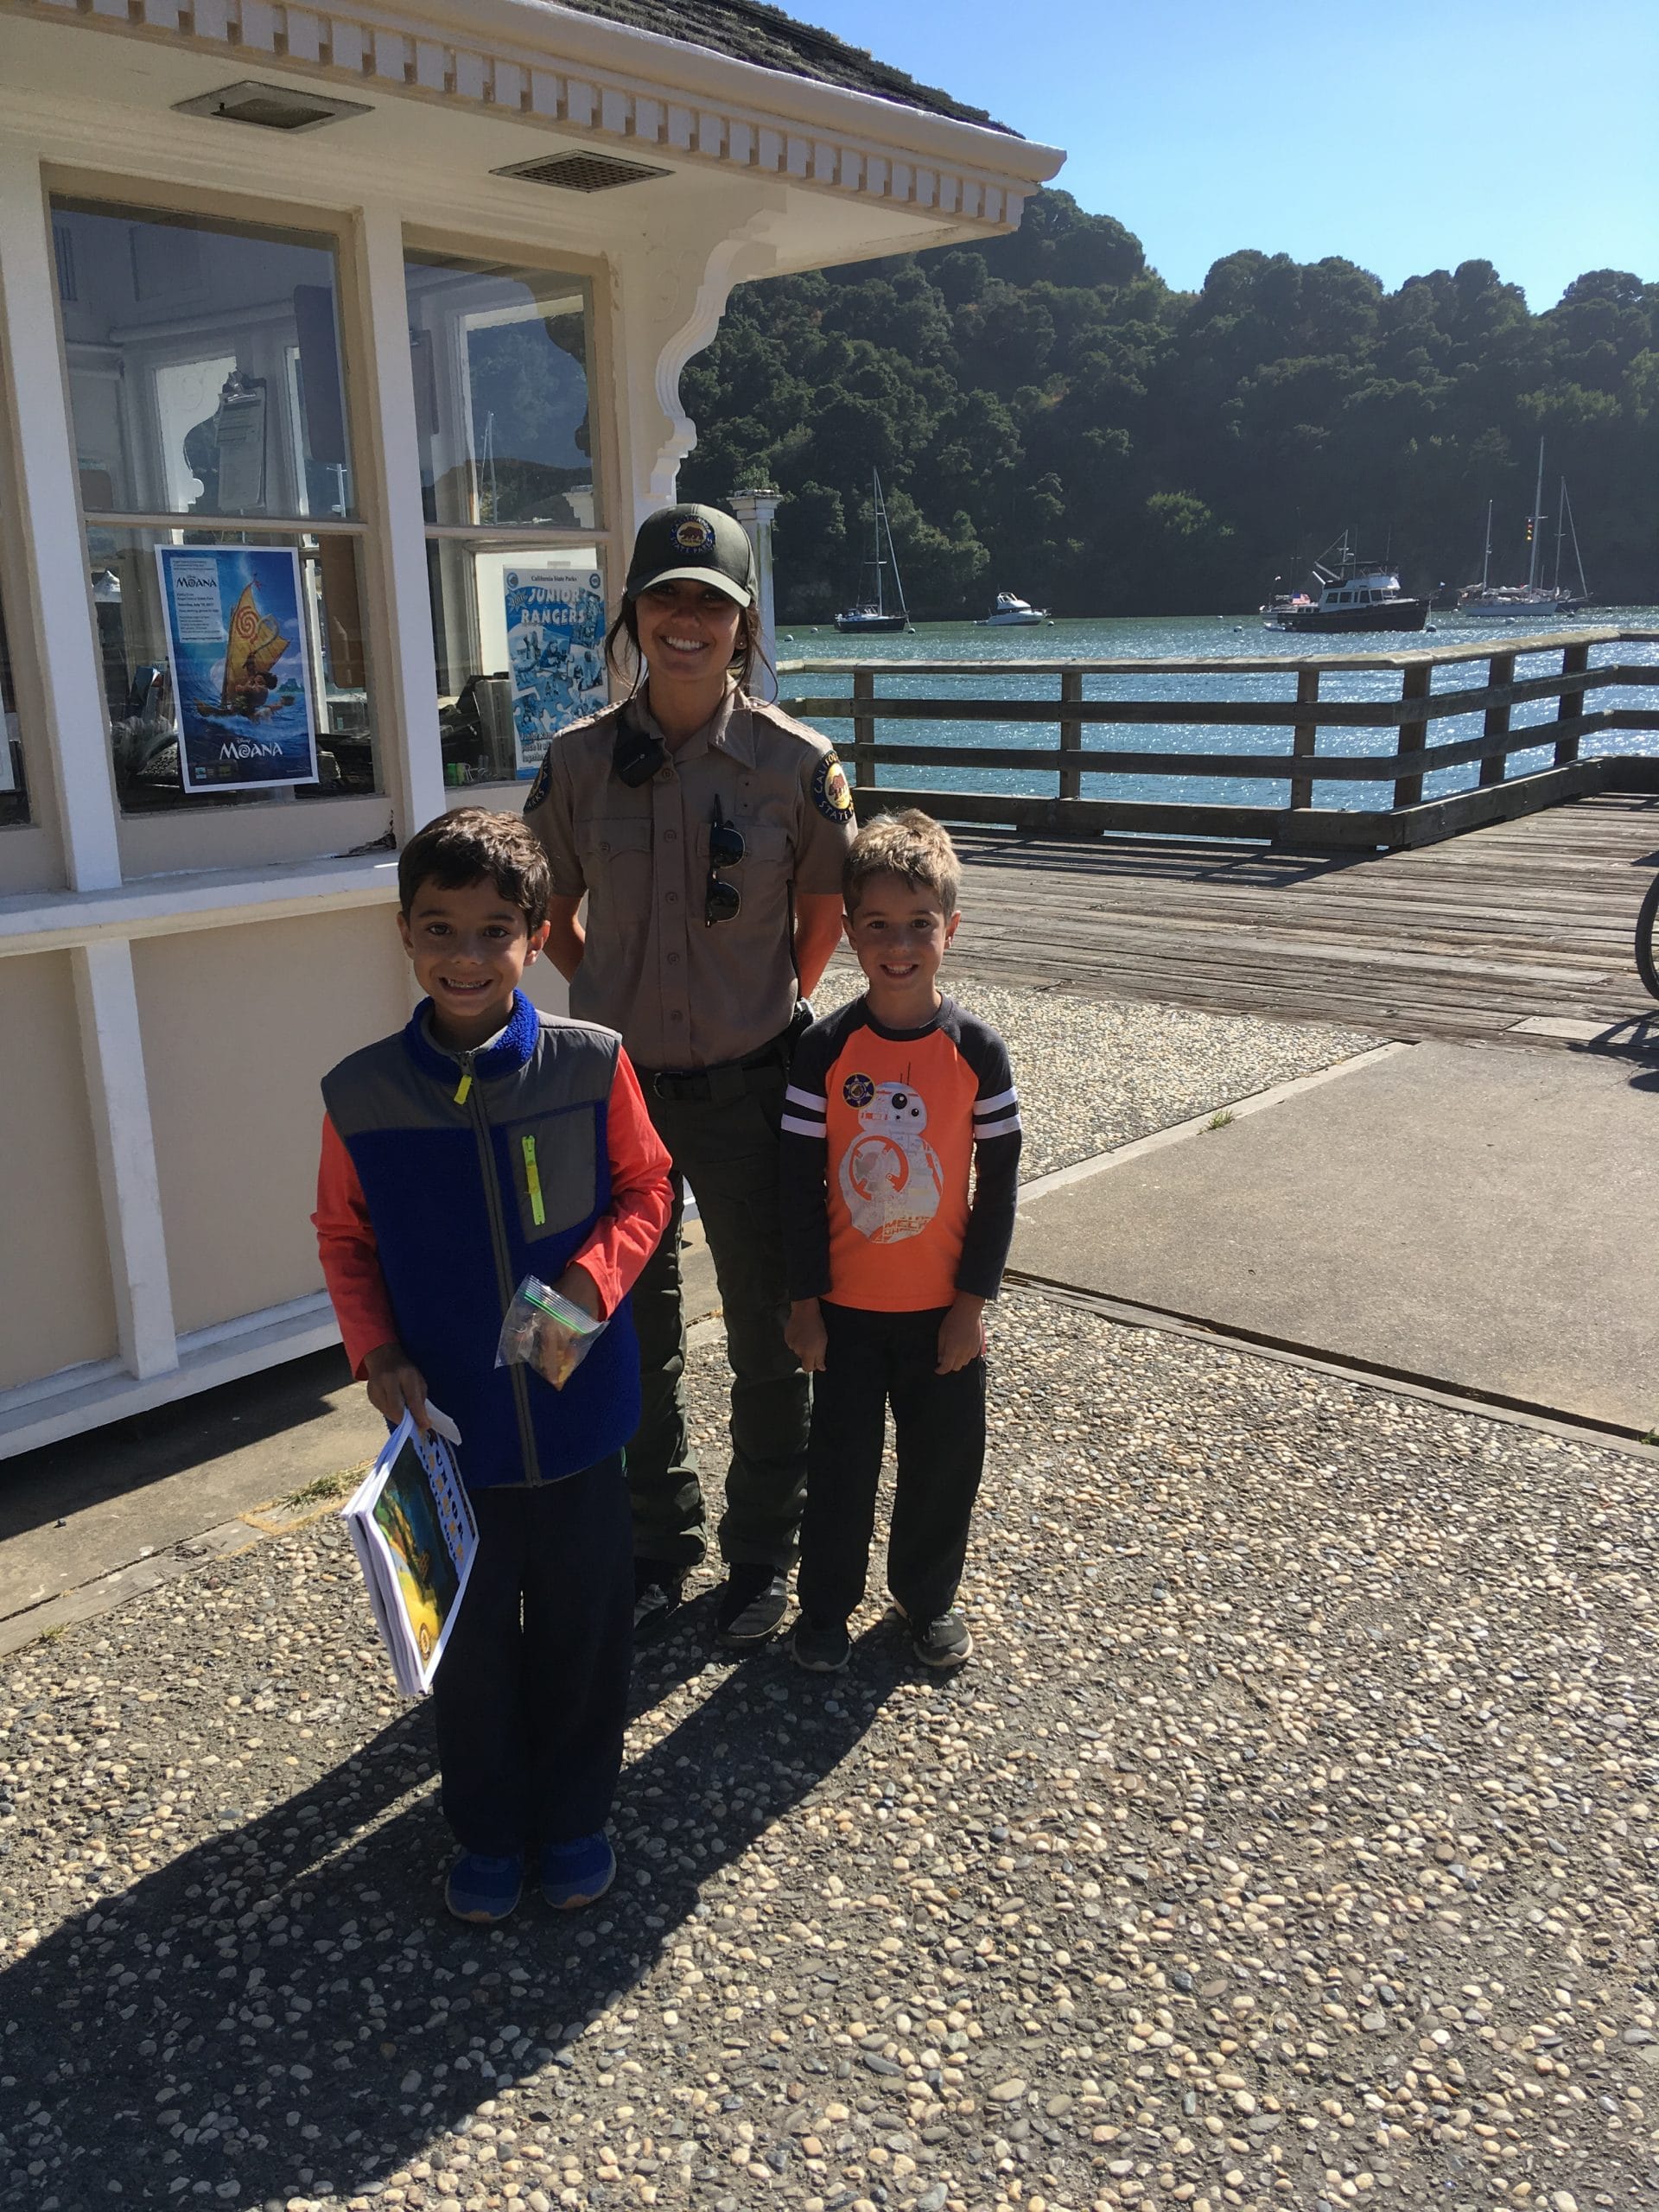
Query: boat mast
(1560, 525)
(1537, 516)
(1486, 557)
(885, 523)
(1567, 510)
(875, 535)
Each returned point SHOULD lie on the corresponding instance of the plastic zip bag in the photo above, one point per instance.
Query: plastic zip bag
(545, 1331)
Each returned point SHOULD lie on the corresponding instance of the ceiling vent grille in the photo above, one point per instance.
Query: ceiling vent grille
(582, 172)
(272, 107)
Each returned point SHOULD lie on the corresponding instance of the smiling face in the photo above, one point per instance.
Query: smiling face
(469, 948)
(898, 933)
(688, 636)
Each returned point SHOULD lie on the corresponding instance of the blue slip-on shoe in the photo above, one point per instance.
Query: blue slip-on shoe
(484, 1890)
(575, 1874)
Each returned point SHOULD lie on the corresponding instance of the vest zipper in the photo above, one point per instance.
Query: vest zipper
(471, 1095)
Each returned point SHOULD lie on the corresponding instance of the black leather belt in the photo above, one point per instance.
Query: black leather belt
(716, 1084)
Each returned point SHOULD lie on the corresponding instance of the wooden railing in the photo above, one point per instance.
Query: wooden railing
(1299, 765)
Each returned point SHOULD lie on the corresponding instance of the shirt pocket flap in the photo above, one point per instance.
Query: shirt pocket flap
(601, 840)
(765, 841)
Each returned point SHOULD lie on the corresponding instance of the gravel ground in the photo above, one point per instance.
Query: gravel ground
(1288, 1842)
(1093, 1074)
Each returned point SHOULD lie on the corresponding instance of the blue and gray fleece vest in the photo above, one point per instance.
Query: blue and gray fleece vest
(470, 1186)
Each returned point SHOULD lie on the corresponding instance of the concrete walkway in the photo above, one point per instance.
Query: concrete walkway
(1485, 1220)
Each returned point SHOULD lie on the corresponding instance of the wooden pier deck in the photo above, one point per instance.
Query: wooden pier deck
(1528, 921)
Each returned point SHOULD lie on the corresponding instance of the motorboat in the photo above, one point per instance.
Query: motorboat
(1354, 594)
(873, 615)
(1013, 613)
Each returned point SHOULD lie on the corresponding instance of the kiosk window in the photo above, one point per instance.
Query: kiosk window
(502, 357)
(207, 389)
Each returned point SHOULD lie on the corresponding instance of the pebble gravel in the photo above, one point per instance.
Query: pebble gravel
(1094, 1074)
(1289, 1842)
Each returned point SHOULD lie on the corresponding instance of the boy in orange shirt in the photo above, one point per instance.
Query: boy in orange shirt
(896, 1105)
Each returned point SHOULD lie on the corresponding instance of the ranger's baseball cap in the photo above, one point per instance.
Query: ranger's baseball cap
(701, 544)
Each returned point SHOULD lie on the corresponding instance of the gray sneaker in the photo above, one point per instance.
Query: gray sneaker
(944, 1644)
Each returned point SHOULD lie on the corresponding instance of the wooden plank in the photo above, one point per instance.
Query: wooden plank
(1573, 659)
(1279, 663)
(1070, 733)
(1496, 727)
(1414, 709)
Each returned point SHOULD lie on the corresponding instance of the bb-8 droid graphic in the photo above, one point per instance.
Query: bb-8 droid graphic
(890, 1175)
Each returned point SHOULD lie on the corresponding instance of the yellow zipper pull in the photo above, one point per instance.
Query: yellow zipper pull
(533, 1182)
(466, 1082)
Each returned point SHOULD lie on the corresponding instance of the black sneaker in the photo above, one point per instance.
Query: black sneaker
(751, 1605)
(944, 1644)
(658, 1593)
(821, 1647)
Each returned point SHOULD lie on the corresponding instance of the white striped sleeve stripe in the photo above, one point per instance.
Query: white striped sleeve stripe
(983, 1106)
(797, 1128)
(814, 1101)
(983, 1129)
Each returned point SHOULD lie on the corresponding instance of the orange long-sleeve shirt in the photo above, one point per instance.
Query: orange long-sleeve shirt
(622, 1241)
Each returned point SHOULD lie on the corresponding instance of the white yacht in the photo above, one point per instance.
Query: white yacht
(1011, 611)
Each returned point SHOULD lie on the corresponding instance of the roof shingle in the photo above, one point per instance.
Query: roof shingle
(748, 30)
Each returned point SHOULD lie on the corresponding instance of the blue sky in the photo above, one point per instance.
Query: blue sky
(1401, 135)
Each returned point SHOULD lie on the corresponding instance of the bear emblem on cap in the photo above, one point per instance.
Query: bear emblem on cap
(694, 535)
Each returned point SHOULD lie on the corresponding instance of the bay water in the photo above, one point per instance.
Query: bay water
(1227, 637)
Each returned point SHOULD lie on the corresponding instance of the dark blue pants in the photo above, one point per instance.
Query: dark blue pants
(874, 1361)
(530, 1696)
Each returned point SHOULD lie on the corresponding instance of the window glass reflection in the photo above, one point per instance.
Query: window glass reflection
(500, 358)
(204, 365)
(13, 791)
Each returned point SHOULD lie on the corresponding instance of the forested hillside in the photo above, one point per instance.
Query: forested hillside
(1049, 417)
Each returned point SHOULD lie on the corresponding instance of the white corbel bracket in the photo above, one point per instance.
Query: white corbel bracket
(670, 296)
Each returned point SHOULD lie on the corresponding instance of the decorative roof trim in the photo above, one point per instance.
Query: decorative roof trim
(365, 47)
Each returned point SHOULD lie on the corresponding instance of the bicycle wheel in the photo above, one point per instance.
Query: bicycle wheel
(1647, 924)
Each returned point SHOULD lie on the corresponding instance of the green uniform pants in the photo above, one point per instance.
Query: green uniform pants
(725, 1148)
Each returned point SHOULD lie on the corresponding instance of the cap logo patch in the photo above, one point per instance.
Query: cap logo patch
(858, 1090)
(831, 793)
(694, 535)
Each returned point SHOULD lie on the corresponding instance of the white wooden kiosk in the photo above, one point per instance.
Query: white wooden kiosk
(407, 290)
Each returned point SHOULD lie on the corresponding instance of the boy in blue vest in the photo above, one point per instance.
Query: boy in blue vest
(484, 1142)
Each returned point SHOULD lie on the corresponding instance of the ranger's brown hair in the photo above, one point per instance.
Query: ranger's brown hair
(910, 844)
(473, 844)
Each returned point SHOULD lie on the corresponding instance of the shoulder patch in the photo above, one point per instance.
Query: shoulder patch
(832, 794)
(544, 778)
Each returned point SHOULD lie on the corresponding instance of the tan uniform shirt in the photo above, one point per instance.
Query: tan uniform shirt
(685, 994)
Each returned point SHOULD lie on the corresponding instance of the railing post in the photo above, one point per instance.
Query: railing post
(1419, 681)
(1071, 732)
(863, 728)
(1305, 738)
(1570, 706)
(1495, 767)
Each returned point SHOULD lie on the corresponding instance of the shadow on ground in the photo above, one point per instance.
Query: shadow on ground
(296, 1975)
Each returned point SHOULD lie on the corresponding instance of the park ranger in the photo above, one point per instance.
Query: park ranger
(707, 831)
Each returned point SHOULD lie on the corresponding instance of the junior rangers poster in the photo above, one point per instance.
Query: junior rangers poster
(556, 651)
(241, 675)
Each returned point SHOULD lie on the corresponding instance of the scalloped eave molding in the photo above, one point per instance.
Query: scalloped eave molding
(359, 49)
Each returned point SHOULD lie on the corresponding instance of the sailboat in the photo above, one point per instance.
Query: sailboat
(1487, 601)
(255, 647)
(874, 614)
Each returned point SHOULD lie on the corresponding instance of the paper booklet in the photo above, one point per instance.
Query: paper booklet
(413, 1531)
